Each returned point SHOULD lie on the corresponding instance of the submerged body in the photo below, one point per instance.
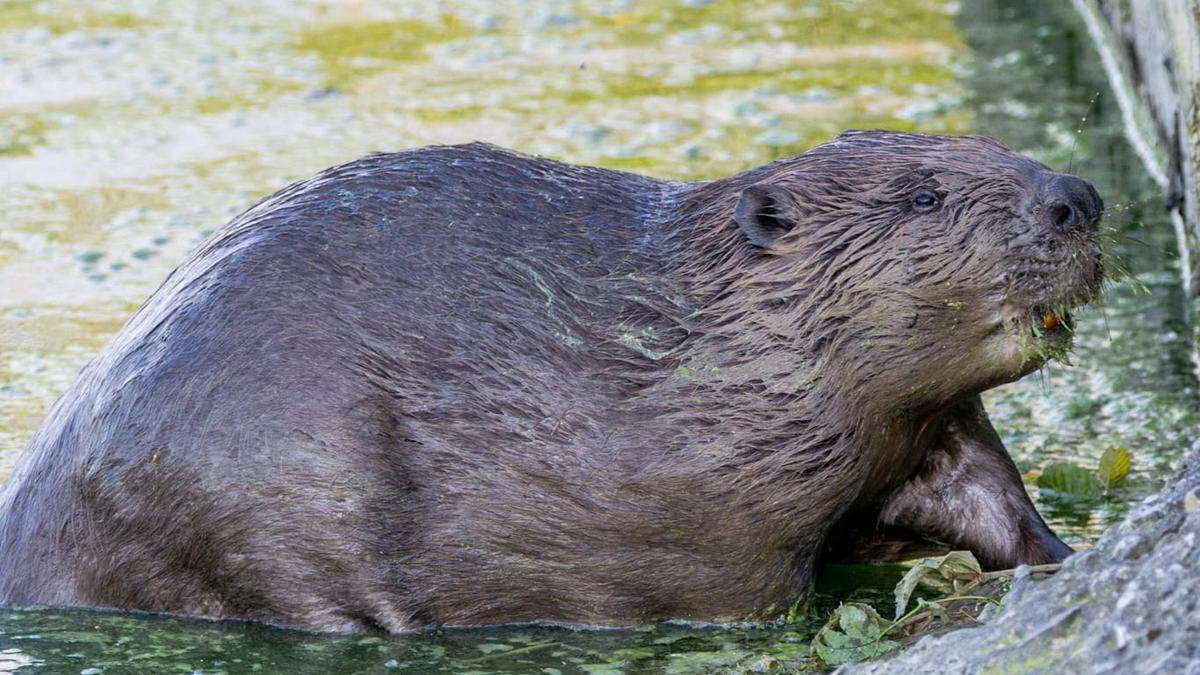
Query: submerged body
(462, 386)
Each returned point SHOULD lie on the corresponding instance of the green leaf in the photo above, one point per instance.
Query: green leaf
(940, 573)
(854, 633)
(1069, 480)
(1114, 467)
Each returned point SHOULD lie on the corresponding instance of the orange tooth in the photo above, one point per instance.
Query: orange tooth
(1050, 321)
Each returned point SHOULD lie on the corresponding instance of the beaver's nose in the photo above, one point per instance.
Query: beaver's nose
(1069, 203)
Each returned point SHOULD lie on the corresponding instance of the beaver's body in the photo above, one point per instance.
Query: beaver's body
(463, 386)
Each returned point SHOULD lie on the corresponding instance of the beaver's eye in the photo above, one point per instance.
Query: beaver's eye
(926, 200)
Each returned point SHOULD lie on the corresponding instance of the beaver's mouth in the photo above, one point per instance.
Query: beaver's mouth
(1038, 315)
(1043, 330)
(1045, 323)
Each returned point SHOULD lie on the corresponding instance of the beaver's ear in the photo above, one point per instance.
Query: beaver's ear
(765, 212)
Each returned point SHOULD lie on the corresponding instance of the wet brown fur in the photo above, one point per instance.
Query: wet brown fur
(462, 386)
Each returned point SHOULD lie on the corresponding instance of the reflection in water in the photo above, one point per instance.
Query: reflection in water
(141, 133)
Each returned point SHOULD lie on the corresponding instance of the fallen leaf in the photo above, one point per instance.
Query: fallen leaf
(940, 573)
(854, 633)
(1114, 467)
(1064, 479)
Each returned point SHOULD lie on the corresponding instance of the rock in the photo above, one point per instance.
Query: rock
(1129, 605)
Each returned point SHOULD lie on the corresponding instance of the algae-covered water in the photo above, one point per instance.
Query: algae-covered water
(130, 129)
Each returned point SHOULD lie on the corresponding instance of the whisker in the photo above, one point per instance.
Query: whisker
(1078, 131)
(1104, 315)
(1125, 237)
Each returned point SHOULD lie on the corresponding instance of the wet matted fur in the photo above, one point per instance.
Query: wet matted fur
(461, 386)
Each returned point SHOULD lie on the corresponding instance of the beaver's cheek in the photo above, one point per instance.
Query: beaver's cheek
(1023, 338)
(1007, 357)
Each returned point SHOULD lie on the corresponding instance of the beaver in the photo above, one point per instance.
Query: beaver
(458, 386)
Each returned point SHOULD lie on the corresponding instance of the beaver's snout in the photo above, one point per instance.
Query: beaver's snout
(1068, 204)
(1061, 246)
(1059, 264)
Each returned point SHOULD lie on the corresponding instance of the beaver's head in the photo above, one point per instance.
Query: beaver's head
(940, 264)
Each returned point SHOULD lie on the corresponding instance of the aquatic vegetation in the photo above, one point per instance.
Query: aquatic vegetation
(351, 50)
(958, 591)
(19, 133)
(260, 94)
(1066, 480)
(815, 23)
(855, 632)
(30, 14)
(951, 574)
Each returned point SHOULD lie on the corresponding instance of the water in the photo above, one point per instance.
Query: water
(129, 132)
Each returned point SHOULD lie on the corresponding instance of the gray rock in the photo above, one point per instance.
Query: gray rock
(1129, 605)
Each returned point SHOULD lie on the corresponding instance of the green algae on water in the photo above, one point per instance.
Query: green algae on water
(351, 50)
